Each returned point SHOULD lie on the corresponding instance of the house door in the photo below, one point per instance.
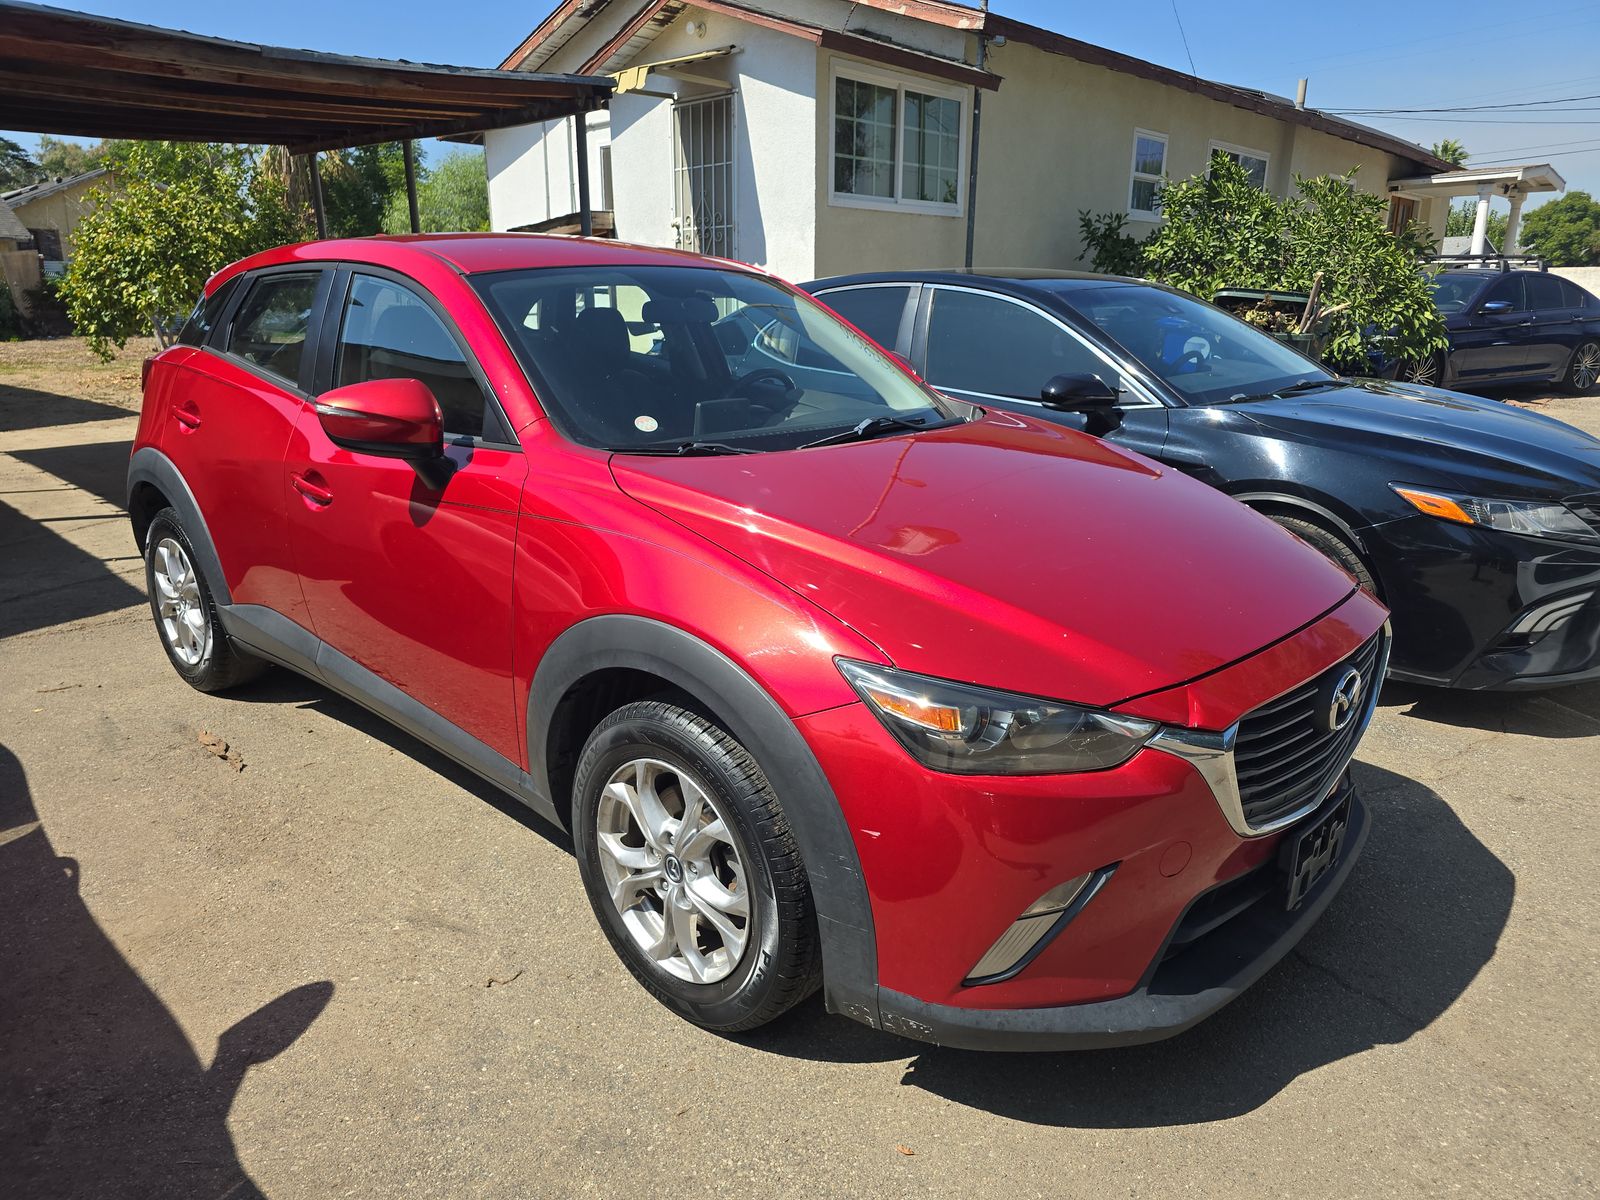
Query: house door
(702, 173)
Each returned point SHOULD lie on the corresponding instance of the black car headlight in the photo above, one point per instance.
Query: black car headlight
(973, 731)
(1533, 518)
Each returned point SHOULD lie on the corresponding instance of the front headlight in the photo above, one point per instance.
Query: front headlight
(1534, 518)
(973, 731)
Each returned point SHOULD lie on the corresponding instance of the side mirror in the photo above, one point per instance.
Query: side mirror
(1078, 393)
(393, 418)
(1495, 308)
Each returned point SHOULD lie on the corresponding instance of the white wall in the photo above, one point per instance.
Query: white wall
(533, 170)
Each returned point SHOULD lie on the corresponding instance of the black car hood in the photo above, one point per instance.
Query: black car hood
(1439, 438)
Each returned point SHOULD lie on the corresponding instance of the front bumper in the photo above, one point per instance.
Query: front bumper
(1182, 989)
(1460, 595)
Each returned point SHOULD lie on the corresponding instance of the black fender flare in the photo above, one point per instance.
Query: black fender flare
(149, 465)
(1322, 512)
(844, 911)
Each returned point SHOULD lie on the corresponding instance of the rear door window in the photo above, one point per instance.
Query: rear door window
(876, 311)
(1544, 292)
(270, 328)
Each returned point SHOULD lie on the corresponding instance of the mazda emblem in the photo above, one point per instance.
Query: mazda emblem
(1346, 696)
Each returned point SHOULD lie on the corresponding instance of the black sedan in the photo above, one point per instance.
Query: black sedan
(1513, 327)
(1477, 523)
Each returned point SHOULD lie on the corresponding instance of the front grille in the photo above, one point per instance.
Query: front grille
(1284, 757)
(1587, 507)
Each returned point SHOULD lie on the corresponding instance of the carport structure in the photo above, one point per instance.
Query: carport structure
(76, 74)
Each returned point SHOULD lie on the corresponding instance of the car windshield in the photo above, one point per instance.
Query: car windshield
(1199, 351)
(664, 358)
(1453, 293)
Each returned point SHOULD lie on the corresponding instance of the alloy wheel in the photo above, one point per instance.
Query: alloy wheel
(673, 870)
(1424, 371)
(1586, 366)
(182, 608)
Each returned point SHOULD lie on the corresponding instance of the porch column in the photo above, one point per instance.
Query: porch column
(580, 123)
(1480, 226)
(1512, 223)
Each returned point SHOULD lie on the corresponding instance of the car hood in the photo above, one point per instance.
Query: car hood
(1435, 435)
(1008, 553)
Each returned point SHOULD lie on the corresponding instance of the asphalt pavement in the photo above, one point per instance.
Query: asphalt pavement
(322, 961)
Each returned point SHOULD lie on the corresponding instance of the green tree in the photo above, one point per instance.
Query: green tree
(358, 186)
(1459, 222)
(1452, 151)
(451, 196)
(17, 168)
(181, 212)
(1221, 231)
(1564, 232)
(62, 159)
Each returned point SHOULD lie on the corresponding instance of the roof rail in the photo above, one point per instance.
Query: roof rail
(1488, 262)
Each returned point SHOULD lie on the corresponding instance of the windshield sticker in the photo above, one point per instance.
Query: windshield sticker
(646, 424)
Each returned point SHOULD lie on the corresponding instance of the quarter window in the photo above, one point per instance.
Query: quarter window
(270, 327)
(988, 346)
(389, 332)
(897, 143)
(1254, 162)
(1149, 170)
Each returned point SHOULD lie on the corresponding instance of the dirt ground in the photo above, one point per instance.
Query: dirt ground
(323, 961)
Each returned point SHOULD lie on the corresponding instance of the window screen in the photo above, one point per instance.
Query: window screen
(270, 327)
(996, 348)
(389, 332)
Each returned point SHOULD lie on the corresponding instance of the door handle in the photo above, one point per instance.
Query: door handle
(313, 492)
(187, 415)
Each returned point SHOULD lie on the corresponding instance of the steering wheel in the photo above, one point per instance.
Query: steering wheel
(765, 375)
(1201, 361)
(770, 392)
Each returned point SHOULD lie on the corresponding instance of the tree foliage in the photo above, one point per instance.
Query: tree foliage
(181, 212)
(62, 159)
(17, 167)
(359, 185)
(1221, 231)
(1565, 232)
(452, 196)
(1463, 216)
(1452, 151)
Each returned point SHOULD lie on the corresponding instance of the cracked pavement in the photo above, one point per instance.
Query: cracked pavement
(350, 969)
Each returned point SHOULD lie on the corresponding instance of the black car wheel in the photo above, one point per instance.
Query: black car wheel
(1331, 545)
(1429, 371)
(197, 645)
(1583, 372)
(691, 868)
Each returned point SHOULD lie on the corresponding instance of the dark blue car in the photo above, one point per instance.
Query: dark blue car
(1513, 327)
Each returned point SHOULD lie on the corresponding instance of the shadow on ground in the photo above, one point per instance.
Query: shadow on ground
(1419, 918)
(1569, 712)
(104, 1096)
(99, 468)
(24, 408)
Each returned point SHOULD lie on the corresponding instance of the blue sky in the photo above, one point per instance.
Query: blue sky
(1356, 53)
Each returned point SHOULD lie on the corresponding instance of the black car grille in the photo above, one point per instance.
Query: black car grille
(1587, 507)
(1284, 757)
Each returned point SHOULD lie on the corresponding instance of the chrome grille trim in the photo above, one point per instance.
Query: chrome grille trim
(1220, 759)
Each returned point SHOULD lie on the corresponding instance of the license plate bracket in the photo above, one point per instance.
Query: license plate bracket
(1314, 850)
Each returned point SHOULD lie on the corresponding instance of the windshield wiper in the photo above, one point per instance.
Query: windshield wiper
(687, 449)
(1305, 385)
(870, 427)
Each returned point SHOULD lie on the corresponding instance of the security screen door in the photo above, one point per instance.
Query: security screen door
(702, 172)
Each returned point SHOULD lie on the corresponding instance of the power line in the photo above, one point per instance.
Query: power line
(1185, 38)
(1472, 107)
(1458, 121)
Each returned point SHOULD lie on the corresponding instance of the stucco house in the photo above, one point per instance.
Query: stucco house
(821, 136)
(51, 210)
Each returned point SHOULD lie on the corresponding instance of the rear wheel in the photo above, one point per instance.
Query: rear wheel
(1331, 545)
(691, 868)
(197, 645)
(1583, 372)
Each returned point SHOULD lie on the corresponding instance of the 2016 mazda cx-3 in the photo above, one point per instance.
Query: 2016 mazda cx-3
(1006, 736)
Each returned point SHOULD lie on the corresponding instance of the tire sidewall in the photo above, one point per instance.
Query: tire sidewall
(165, 525)
(729, 1001)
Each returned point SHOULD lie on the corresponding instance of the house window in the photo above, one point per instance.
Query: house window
(896, 143)
(1149, 169)
(1254, 162)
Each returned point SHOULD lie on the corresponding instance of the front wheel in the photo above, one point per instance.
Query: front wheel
(1583, 372)
(1332, 546)
(691, 868)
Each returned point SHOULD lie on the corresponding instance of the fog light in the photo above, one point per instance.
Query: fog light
(1032, 931)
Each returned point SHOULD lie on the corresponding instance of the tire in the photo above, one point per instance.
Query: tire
(1429, 372)
(1332, 546)
(191, 633)
(1582, 376)
(641, 769)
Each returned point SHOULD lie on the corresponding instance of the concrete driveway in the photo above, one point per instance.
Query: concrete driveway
(326, 962)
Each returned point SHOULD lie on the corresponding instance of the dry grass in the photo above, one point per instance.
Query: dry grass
(64, 367)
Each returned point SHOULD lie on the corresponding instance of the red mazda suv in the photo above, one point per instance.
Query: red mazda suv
(1004, 736)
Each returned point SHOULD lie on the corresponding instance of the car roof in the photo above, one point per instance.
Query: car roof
(1059, 280)
(475, 253)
